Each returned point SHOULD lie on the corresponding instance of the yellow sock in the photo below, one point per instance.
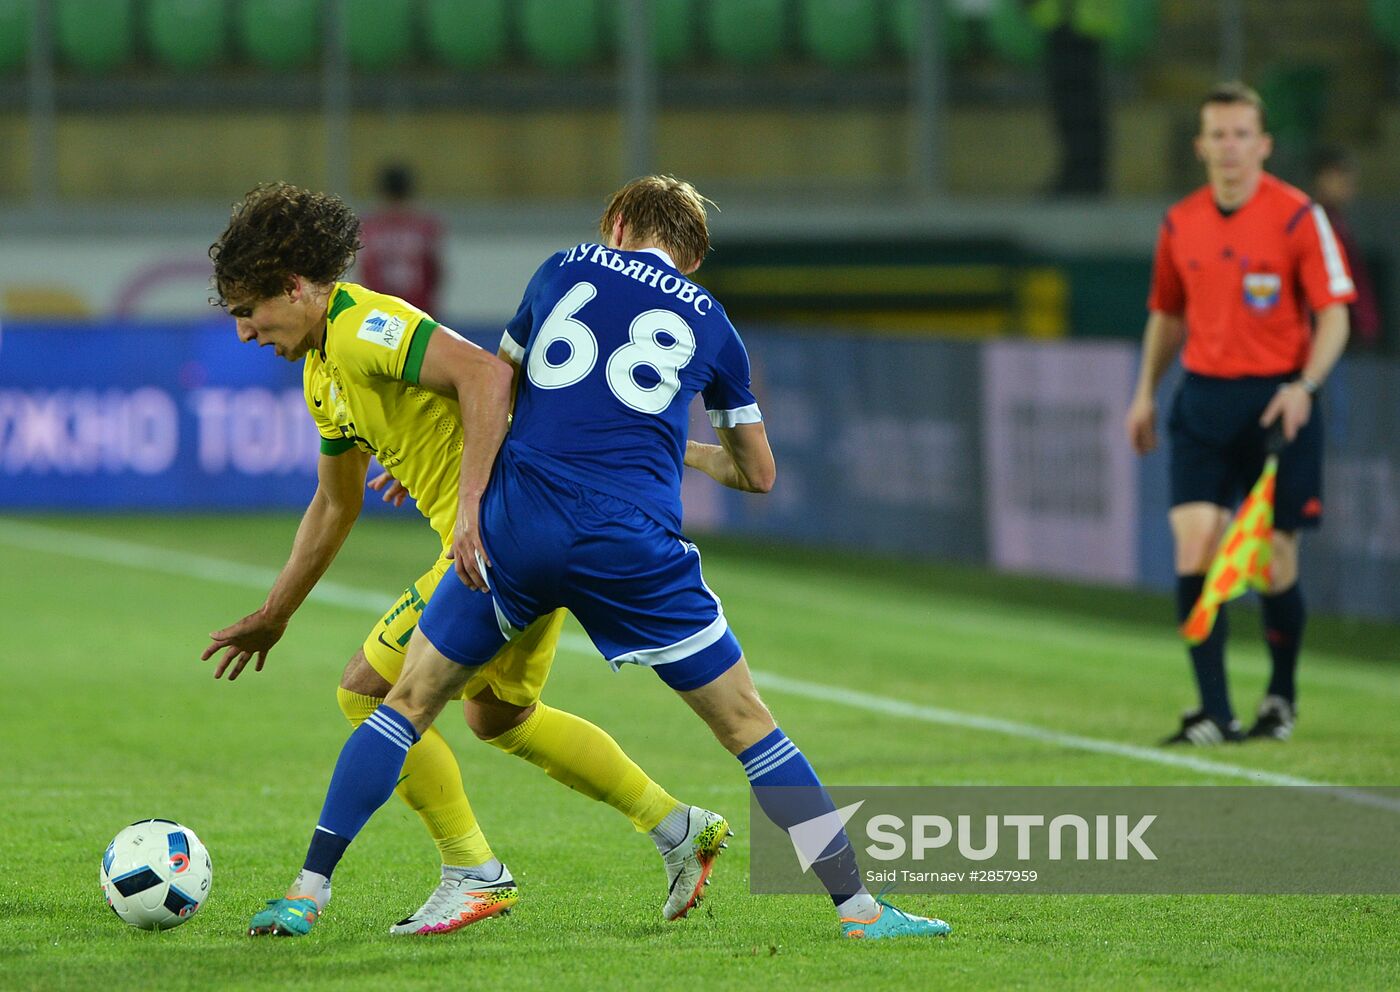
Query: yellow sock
(431, 784)
(586, 759)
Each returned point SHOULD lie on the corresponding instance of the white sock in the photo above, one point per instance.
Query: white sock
(488, 871)
(672, 828)
(314, 885)
(861, 906)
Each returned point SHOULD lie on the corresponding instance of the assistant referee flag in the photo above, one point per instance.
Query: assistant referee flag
(1243, 559)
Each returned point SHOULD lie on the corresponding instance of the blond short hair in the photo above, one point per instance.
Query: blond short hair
(665, 210)
(1235, 92)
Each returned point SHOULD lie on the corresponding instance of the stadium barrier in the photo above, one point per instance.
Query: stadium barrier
(1007, 453)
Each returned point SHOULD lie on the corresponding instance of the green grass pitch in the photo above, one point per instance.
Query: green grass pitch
(111, 717)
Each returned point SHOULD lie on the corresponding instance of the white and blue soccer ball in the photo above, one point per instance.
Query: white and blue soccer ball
(156, 874)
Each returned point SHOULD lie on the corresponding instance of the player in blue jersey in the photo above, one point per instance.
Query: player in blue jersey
(582, 511)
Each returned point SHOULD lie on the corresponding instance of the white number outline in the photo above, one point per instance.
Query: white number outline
(560, 325)
(642, 348)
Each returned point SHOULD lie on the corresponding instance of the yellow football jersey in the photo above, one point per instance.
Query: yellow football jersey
(362, 390)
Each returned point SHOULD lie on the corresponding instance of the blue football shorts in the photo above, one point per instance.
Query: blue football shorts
(1218, 449)
(635, 586)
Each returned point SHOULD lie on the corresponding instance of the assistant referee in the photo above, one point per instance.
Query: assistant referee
(1249, 276)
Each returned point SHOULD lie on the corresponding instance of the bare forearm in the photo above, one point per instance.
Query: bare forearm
(720, 465)
(323, 530)
(485, 404)
(1161, 341)
(1329, 341)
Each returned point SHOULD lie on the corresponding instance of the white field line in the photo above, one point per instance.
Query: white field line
(52, 540)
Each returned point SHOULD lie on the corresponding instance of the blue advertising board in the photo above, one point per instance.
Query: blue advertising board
(150, 416)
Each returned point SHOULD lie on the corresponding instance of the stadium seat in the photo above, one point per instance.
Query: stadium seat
(378, 35)
(672, 34)
(279, 34)
(745, 32)
(1385, 16)
(466, 34)
(185, 34)
(1011, 33)
(839, 32)
(93, 35)
(14, 33)
(561, 34)
(953, 28)
(1136, 31)
(673, 37)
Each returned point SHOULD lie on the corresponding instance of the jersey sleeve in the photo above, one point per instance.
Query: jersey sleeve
(517, 333)
(729, 398)
(383, 344)
(1168, 294)
(1322, 264)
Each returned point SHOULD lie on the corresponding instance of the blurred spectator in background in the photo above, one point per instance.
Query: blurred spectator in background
(1333, 188)
(403, 245)
(1075, 34)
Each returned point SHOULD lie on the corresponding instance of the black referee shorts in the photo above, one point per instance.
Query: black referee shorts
(1217, 448)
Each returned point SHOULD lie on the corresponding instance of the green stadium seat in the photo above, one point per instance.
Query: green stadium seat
(378, 35)
(279, 34)
(672, 31)
(672, 28)
(1012, 34)
(745, 32)
(953, 28)
(1385, 17)
(93, 35)
(1136, 31)
(839, 32)
(14, 32)
(466, 34)
(562, 34)
(186, 35)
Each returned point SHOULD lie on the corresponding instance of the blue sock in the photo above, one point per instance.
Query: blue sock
(776, 761)
(364, 779)
(1208, 657)
(1284, 618)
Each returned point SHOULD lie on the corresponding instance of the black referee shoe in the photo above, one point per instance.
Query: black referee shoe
(1201, 729)
(1275, 719)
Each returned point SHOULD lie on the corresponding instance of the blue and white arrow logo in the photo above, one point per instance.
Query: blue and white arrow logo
(811, 837)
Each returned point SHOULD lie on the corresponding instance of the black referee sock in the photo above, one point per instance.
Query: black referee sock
(1208, 657)
(1284, 618)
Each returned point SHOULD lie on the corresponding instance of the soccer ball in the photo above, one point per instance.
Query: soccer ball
(156, 874)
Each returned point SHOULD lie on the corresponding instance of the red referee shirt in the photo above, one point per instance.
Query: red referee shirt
(1247, 282)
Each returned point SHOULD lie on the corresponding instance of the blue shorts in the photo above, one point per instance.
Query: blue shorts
(634, 586)
(1217, 449)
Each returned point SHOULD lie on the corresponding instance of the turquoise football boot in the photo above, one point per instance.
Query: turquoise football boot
(285, 918)
(892, 922)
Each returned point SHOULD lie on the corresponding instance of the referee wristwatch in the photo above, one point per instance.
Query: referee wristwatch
(1310, 386)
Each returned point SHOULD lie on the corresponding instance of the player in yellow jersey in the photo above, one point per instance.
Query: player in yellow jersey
(382, 378)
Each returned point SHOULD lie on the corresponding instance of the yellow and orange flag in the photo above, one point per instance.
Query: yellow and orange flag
(1242, 562)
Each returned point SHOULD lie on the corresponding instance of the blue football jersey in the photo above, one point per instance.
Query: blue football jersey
(613, 345)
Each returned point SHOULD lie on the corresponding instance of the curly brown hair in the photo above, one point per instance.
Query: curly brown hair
(278, 231)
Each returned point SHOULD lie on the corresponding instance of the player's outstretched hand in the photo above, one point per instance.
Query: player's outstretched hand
(469, 557)
(241, 642)
(392, 489)
(1142, 425)
(1292, 405)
